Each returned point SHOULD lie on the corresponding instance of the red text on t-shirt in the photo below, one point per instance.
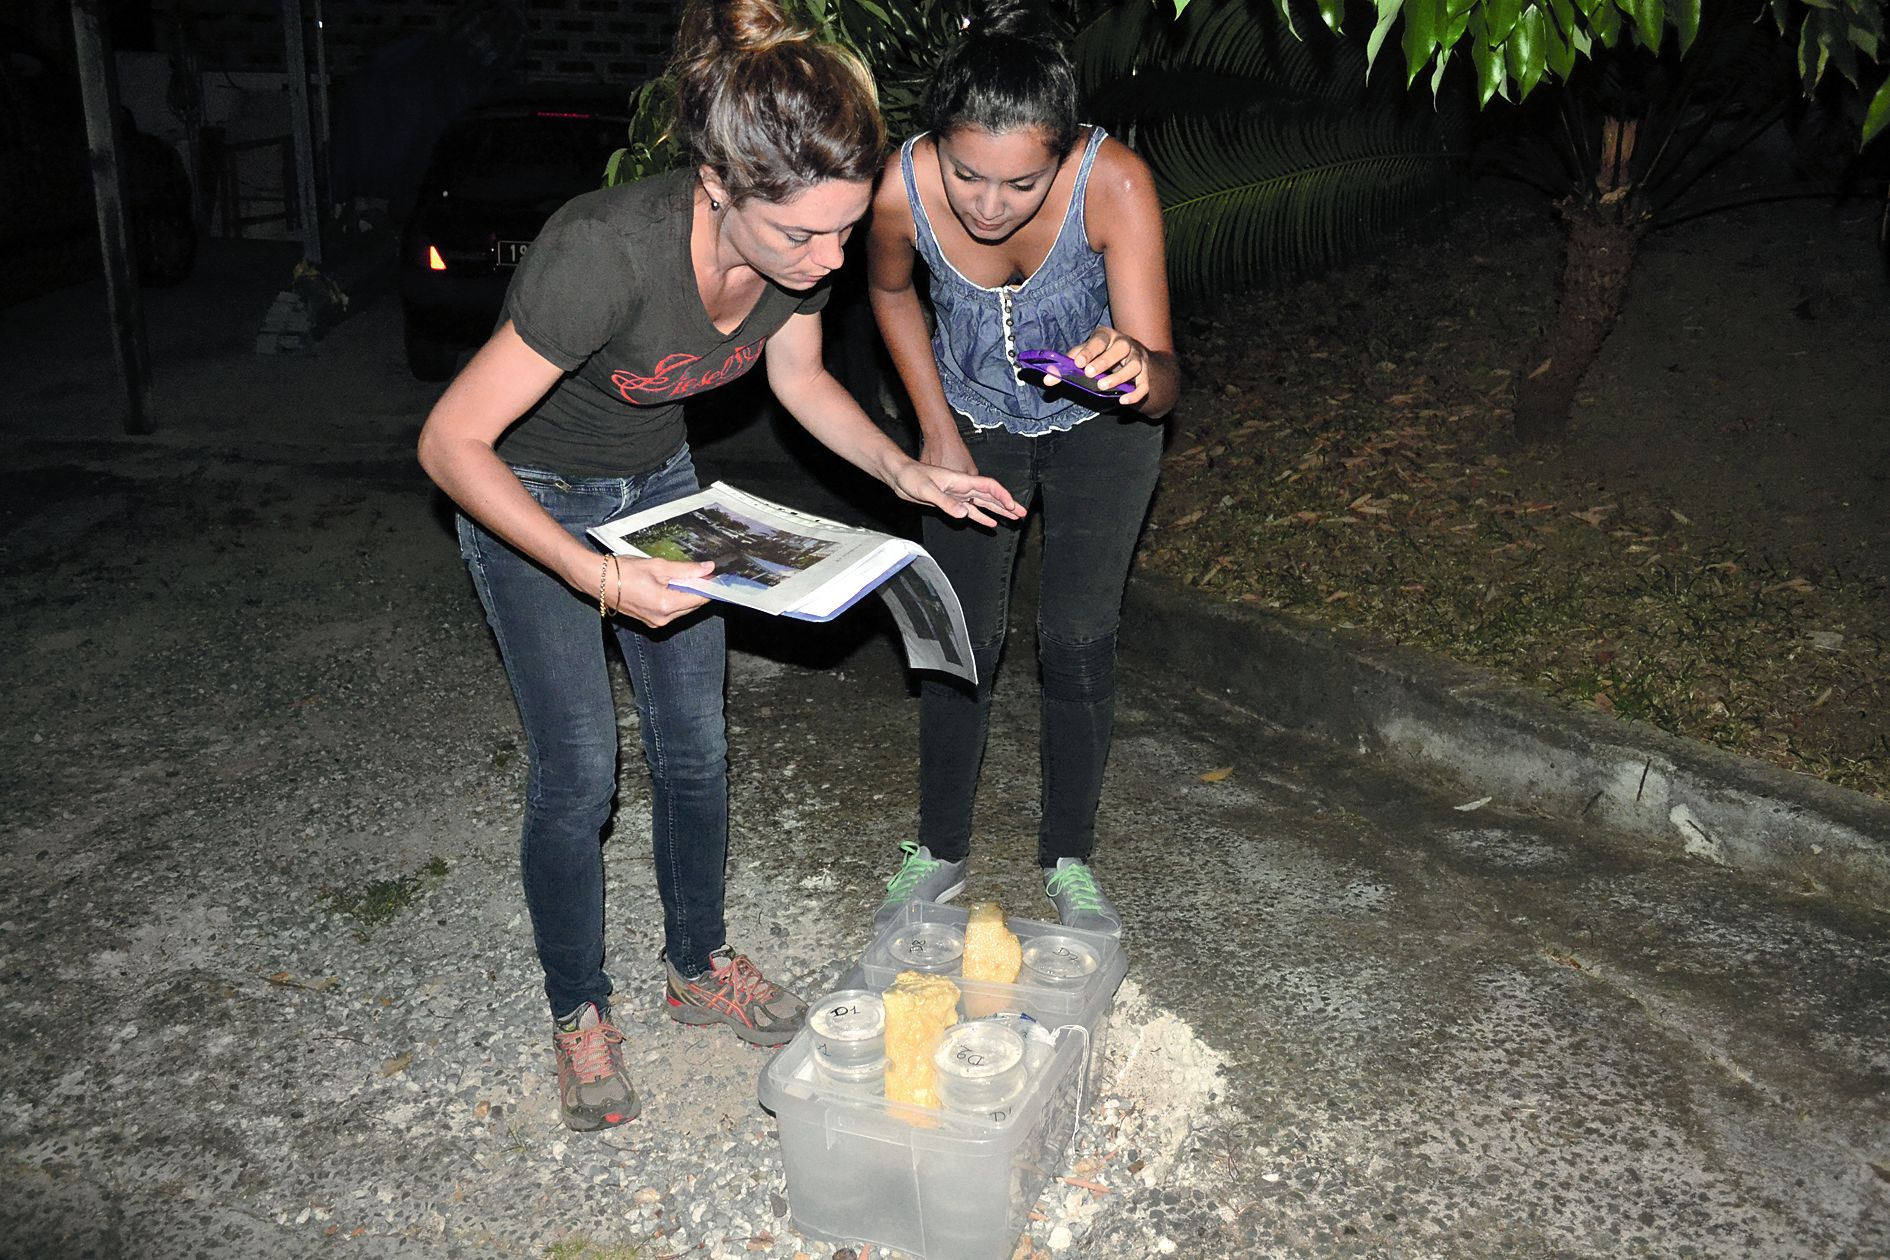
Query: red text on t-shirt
(675, 375)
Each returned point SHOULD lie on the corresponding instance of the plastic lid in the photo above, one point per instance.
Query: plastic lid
(978, 1050)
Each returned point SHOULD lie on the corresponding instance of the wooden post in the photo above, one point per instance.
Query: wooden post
(296, 57)
(98, 87)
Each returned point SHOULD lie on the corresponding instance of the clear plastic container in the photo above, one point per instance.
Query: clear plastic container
(931, 1184)
(848, 1027)
(980, 1070)
(849, 1039)
(937, 948)
(1059, 961)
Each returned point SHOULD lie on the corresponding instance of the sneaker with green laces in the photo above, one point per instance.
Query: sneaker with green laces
(594, 1092)
(1071, 885)
(734, 992)
(921, 877)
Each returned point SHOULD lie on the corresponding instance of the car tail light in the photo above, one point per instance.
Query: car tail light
(434, 261)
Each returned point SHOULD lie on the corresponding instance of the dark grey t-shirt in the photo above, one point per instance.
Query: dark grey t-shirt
(608, 293)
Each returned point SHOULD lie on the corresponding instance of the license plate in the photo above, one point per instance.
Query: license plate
(512, 253)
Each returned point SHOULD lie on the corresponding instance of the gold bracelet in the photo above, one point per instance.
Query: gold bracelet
(616, 572)
(603, 609)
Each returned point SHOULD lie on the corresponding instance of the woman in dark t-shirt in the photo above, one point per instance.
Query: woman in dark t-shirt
(632, 299)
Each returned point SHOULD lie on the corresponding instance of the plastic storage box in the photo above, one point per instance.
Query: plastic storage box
(930, 1183)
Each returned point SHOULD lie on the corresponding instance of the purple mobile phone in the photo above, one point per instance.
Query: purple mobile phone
(1049, 361)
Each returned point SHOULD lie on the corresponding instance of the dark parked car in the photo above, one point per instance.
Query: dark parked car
(496, 175)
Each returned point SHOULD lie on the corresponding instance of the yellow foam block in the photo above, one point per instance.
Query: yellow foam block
(991, 949)
(919, 1008)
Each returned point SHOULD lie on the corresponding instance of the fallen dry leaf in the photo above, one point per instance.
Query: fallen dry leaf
(1215, 776)
(1594, 515)
(397, 1064)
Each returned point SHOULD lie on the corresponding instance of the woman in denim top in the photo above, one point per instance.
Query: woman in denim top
(1036, 234)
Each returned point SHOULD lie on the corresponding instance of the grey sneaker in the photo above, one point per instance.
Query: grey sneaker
(921, 877)
(734, 992)
(1071, 884)
(593, 1090)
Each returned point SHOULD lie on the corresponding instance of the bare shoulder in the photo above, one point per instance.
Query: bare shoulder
(890, 207)
(1119, 170)
(1121, 198)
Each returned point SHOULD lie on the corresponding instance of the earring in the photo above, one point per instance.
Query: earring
(715, 207)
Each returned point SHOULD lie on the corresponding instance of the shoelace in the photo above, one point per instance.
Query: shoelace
(589, 1051)
(743, 980)
(1079, 883)
(915, 869)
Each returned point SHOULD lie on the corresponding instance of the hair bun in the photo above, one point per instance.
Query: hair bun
(1004, 17)
(755, 25)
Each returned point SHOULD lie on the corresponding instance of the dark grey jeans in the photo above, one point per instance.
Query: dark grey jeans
(1091, 486)
(552, 642)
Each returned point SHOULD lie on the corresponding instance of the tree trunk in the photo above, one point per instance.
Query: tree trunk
(1603, 233)
(1599, 255)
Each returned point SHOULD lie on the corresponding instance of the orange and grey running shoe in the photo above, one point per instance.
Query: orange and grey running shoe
(594, 1092)
(734, 992)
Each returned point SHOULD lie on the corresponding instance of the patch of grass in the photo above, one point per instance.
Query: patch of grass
(585, 1249)
(376, 903)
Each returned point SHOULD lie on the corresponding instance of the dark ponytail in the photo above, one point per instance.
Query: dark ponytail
(768, 105)
(1009, 69)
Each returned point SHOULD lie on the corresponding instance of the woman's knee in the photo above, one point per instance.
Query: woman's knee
(1080, 670)
(577, 782)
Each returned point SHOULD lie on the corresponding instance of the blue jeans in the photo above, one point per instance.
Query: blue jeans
(1095, 481)
(552, 642)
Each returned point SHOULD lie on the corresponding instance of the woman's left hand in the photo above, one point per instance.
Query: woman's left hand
(1112, 358)
(958, 495)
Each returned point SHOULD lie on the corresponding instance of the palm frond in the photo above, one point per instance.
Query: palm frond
(1273, 155)
(1264, 197)
(1128, 59)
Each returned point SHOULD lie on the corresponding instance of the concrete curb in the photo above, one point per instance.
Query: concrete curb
(1516, 746)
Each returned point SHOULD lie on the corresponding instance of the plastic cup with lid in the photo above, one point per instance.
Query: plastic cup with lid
(848, 1031)
(1058, 961)
(979, 1069)
(848, 1028)
(937, 948)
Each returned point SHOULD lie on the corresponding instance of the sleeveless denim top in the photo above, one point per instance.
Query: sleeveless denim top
(979, 331)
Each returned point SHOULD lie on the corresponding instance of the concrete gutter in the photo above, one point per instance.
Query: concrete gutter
(1516, 746)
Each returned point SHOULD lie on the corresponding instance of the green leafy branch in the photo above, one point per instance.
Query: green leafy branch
(1512, 45)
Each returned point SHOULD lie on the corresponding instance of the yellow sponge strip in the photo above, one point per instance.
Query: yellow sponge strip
(919, 1008)
(991, 949)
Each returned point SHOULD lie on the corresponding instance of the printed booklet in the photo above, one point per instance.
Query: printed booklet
(795, 564)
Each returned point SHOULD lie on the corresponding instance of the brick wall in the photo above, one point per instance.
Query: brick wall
(621, 42)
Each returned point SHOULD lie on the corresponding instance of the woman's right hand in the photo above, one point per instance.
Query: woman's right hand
(948, 451)
(640, 587)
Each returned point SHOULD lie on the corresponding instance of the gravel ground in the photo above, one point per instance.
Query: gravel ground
(267, 990)
(270, 983)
